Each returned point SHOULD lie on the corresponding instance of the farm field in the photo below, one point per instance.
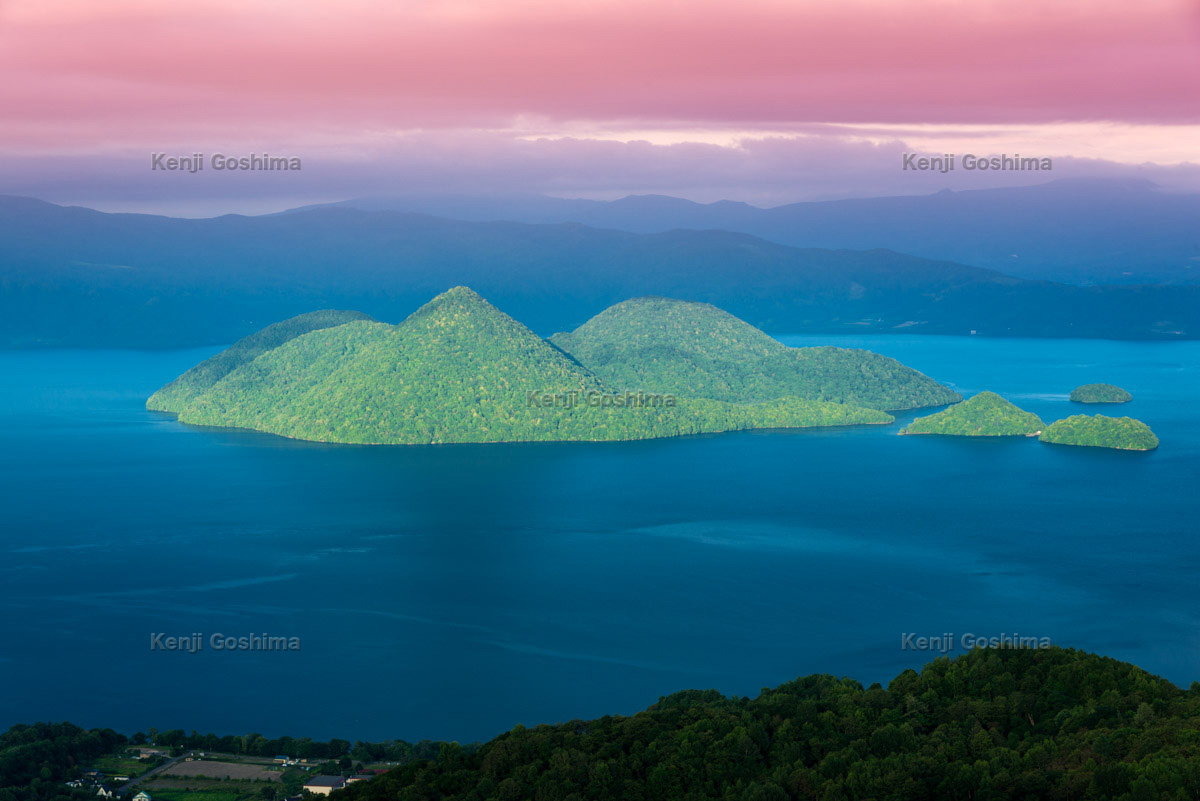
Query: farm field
(241, 771)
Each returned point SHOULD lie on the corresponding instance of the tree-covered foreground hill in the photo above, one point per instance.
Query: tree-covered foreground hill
(698, 350)
(460, 370)
(992, 725)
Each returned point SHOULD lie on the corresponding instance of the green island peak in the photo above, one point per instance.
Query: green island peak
(984, 415)
(697, 350)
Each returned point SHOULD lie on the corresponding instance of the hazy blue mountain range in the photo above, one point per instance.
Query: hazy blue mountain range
(78, 277)
(1085, 231)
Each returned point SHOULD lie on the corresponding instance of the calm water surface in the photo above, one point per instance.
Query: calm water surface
(451, 592)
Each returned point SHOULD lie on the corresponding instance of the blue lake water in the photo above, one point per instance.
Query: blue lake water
(451, 592)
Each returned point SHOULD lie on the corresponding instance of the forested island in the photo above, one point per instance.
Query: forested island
(1098, 431)
(460, 370)
(993, 724)
(989, 415)
(1100, 393)
(983, 415)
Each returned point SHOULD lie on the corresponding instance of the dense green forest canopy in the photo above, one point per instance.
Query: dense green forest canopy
(698, 350)
(1100, 393)
(992, 725)
(984, 415)
(1099, 431)
(460, 370)
(174, 396)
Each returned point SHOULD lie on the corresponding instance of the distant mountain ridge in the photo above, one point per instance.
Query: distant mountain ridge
(71, 276)
(1083, 231)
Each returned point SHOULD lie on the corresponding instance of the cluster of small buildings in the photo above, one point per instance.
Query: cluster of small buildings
(283, 760)
(317, 785)
(94, 780)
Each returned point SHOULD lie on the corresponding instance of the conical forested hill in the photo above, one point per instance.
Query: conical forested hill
(698, 350)
(460, 370)
(983, 415)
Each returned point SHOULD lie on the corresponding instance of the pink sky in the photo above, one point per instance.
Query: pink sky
(1114, 81)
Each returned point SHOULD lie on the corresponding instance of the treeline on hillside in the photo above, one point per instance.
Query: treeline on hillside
(993, 724)
(36, 760)
(298, 747)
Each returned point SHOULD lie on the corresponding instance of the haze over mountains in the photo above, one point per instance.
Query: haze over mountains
(1084, 231)
(78, 277)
